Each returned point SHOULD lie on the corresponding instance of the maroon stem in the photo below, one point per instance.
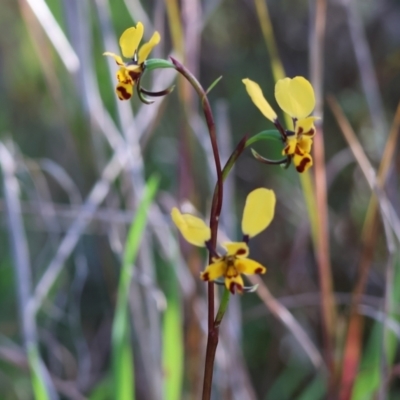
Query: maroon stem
(213, 330)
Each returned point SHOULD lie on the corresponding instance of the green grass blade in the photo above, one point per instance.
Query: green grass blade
(368, 378)
(38, 384)
(316, 390)
(123, 370)
(288, 382)
(212, 86)
(173, 347)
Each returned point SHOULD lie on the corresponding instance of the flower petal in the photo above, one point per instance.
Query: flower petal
(193, 229)
(130, 39)
(295, 96)
(255, 92)
(302, 162)
(123, 76)
(305, 144)
(258, 211)
(234, 283)
(124, 90)
(116, 57)
(237, 249)
(148, 47)
(291, 143)
(214, 271)
(249, 267)
(305, 126)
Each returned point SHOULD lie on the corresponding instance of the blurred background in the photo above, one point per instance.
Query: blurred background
(74, 165)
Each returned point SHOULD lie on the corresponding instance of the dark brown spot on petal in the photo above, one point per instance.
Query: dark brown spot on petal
(303, 164)
(259, 270)
(300, 130)
(286, 150)
(205, 276)
(134, 75)
(310, 132)
(123, 93)
(299, 151)
(235, 286)
(241, 252)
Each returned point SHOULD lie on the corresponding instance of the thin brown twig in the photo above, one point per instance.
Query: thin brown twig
(284, 315)
(391, 225)
(323, 252)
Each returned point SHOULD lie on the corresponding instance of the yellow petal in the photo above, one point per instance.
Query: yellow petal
(148, 47)
(305, 144)
(291, 143)
(302, 163)
(258, 211)
(193, 229)
(295, 96)
(116, 57)
(234, 283)
(130, 39)
(124, 90)
(134, 68)
(306, 127)
(214, 271)
(123, 76)
(255, 92)
(238, 249)
(249, 267)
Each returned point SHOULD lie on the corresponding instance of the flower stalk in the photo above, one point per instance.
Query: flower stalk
(213, 331)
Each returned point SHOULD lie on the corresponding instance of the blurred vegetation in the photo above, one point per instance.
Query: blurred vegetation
(66, 133)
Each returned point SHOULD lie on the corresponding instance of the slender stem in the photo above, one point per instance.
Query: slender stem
(212, 340)
(213, 325)
(213, 336)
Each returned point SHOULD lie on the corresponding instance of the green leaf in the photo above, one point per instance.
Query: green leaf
(156, 63)
(211, 87)
(123, 370)
(271, 134)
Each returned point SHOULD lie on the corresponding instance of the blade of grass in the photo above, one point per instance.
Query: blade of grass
(365, 67)
(387, 210)
(173, 351)
(55, 34)
(368, 379)
(278, 72)
(352, 351)
(282, 313)
(41, 384)
(319, 227)
(315, 390)
(122, 352)
(175, 27)
(391, 223)
(288, 382)
(316, 45)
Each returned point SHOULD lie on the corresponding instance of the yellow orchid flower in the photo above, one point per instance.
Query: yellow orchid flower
(131, 71)
(296, 98)
(257, 215)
